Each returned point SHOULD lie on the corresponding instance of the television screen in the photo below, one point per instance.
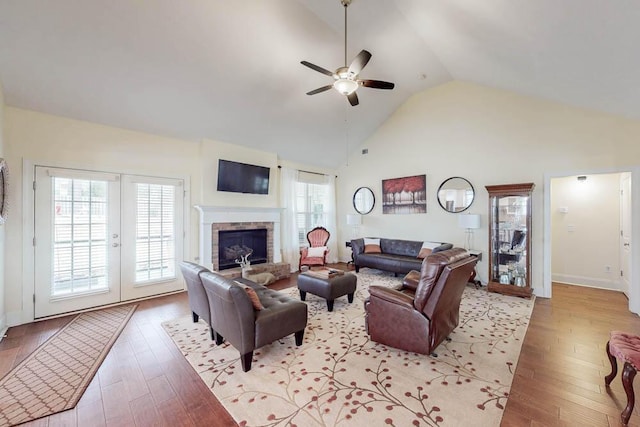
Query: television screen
(242, 178)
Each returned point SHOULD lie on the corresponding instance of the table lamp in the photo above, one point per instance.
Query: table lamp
(469, 222)
(354, 220)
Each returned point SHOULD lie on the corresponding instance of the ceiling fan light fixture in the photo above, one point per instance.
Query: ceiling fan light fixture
(345, 86)
(346, 80)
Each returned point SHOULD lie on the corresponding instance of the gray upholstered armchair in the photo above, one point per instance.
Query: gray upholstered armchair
(197, 296)
(235, 317)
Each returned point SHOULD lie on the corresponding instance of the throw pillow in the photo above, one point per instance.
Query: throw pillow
(372, 246)
(427, 248)
(317, 252)
(253, 296)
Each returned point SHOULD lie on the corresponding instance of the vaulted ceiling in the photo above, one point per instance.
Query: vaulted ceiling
(230, 70)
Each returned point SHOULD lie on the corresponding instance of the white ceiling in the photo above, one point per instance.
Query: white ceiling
(230, 70)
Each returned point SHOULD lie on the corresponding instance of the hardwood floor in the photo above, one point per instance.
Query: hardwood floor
(559, 380)
(145, 381)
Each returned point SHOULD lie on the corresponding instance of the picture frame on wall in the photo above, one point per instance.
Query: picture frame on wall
(406, 195)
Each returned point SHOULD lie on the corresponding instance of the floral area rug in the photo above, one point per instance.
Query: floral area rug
(339, 377)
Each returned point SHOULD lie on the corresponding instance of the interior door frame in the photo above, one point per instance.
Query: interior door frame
(634, 280)
(28, 222)
(624, 273)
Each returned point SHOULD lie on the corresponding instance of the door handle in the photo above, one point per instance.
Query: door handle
(626, 244)
(115, 245)
(115, 236)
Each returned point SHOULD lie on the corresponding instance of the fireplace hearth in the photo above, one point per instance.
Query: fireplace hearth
(234, 244)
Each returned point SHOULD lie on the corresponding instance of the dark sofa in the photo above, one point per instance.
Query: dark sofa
(398, 256)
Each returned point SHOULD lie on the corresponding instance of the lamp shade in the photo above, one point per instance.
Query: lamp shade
(354, 219)
(469, 221)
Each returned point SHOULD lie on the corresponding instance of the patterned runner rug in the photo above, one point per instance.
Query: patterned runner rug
(339, 377)
(54, 377)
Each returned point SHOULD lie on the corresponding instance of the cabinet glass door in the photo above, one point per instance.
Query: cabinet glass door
(509, 239)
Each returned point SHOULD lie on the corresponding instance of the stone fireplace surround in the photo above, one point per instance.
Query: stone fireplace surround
(215, 218)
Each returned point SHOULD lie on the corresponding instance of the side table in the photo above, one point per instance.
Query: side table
(348, 245)
(478, 254)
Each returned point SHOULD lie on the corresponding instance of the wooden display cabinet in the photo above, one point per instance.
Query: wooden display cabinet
(509, 239)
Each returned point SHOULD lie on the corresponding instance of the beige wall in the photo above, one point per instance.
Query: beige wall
(42, 139)
(489, 137)
(3, 317)
(457, 129)
(214, 150)
(585, 230)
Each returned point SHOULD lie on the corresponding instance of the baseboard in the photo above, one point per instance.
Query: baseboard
(613, 285)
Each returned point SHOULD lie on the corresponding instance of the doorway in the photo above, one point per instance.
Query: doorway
(103, 238)
(588, 220)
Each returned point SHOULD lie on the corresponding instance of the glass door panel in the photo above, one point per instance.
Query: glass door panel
(77, 257)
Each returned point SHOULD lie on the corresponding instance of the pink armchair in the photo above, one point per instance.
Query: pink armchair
(316, 253)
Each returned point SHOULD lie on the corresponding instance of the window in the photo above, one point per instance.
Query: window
(311, 208)
(155, 239)
(79, 236)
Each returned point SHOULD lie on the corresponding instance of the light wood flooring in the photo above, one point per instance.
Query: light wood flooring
(145, 381)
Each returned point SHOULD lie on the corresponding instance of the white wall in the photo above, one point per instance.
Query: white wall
(3, 317)
(489, 137)
(585, 232)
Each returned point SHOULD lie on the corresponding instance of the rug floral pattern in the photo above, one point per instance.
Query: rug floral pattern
(339, 377)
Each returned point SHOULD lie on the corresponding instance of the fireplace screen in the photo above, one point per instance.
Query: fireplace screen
(235, 244)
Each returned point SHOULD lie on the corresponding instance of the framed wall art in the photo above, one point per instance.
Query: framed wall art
(406, 195)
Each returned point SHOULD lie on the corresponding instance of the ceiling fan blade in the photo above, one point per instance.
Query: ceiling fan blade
(320, 89)
(359, 62)
(377, 84)
(353, 99)
(317, 68)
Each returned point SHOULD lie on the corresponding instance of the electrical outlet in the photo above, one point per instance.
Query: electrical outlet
(607, 269)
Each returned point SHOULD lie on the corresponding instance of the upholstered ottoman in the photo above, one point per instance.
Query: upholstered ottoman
(329, 289)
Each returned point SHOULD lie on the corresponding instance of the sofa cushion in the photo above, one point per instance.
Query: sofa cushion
(372, 246)
(390, 262)
(427, 248)
(316, 252)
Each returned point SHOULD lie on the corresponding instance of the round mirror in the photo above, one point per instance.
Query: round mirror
(363, 200)
(455, 194)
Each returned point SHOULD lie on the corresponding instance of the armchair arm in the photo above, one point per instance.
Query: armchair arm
(391, 296)
(303, 252)
(357, 247)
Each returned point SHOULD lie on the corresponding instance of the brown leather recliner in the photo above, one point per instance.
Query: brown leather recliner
(197, 297)
(419, 319)
(235, 318)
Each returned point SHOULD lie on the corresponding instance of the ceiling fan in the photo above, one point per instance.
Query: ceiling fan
(345, 78)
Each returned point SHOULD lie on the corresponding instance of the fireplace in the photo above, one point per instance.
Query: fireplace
(234, 244)
(214, 219)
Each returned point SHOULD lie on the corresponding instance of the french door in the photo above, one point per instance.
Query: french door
(103, 238)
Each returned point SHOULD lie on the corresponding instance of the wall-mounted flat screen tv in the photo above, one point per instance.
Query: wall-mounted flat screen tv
(238, 177)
